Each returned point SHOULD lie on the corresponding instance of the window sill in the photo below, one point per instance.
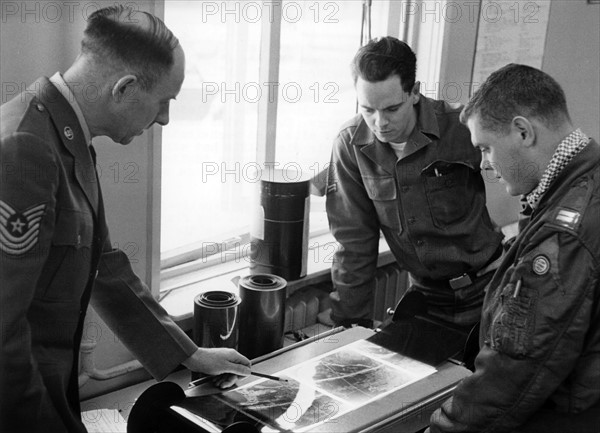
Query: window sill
(179, 303)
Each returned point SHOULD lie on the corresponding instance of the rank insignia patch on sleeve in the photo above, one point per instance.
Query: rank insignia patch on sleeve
(567, 218)
(19, 231)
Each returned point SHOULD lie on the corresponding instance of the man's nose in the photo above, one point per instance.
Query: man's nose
(380, 119)
(163, 117)
(485, 165)
(490, 169)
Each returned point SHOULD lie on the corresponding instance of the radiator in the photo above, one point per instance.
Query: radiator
(304, 305)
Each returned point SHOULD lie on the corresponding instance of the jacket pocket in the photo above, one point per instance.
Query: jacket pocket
(449, 191)
(74, 228)
(66, 270)
(514, 320)
(382, 191)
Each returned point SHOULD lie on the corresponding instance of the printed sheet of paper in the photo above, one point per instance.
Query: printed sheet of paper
(509, 32)
(318, 390)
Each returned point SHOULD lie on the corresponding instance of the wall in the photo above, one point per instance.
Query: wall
(572, 57)
(34, 41)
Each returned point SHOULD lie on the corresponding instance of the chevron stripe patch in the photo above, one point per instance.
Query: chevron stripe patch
(19, 231)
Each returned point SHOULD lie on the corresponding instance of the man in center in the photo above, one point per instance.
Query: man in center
(405, 166)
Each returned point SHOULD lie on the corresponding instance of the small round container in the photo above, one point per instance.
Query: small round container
(216, 319)
(262, 314)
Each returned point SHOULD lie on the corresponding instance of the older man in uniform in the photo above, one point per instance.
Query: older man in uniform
(54, 247)
(538, 369)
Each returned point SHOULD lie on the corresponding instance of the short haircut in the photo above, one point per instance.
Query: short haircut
(517, 90)
(114, 35)
(382, 57)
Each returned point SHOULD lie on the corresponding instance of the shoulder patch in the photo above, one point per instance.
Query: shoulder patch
(19, 231)
(567, 218)
(540, 265)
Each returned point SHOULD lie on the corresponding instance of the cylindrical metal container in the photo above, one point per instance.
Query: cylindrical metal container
(262, 314)
(279, 236)
(215, 319)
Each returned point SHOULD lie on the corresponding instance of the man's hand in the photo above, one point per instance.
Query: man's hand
(228, 364)
(440, 422)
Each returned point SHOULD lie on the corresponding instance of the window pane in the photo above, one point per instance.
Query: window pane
(316, 92)
(210, 143)
(318, 42)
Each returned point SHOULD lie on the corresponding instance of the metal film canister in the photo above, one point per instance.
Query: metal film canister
(215, 319)
(279, 234)
(262, 314)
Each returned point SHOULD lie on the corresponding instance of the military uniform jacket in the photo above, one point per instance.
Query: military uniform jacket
(55, 256)
(540, 330)
(430, 205)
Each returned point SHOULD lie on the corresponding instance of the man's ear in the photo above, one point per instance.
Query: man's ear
(416, 92)
(125, 88)
(524, 130)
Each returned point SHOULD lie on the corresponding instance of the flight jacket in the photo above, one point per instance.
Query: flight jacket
(540, 329)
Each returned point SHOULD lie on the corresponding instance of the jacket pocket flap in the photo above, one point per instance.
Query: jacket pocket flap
(380, 188)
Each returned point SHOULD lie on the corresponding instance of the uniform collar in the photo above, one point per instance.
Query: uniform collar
(426, 119)
(382, 153)
(71, 134)
(64, 89)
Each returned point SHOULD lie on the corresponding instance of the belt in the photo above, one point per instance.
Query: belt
(467, 278)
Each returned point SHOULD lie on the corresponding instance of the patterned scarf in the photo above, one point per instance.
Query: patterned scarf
(571, 145)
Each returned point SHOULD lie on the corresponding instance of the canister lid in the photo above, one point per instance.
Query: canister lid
(285, 182)
(263, 282)
(217, 299)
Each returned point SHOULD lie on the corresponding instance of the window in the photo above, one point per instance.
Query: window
(212, 131)
(210, 148)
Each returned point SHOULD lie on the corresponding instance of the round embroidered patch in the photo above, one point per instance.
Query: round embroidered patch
(541, 265)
